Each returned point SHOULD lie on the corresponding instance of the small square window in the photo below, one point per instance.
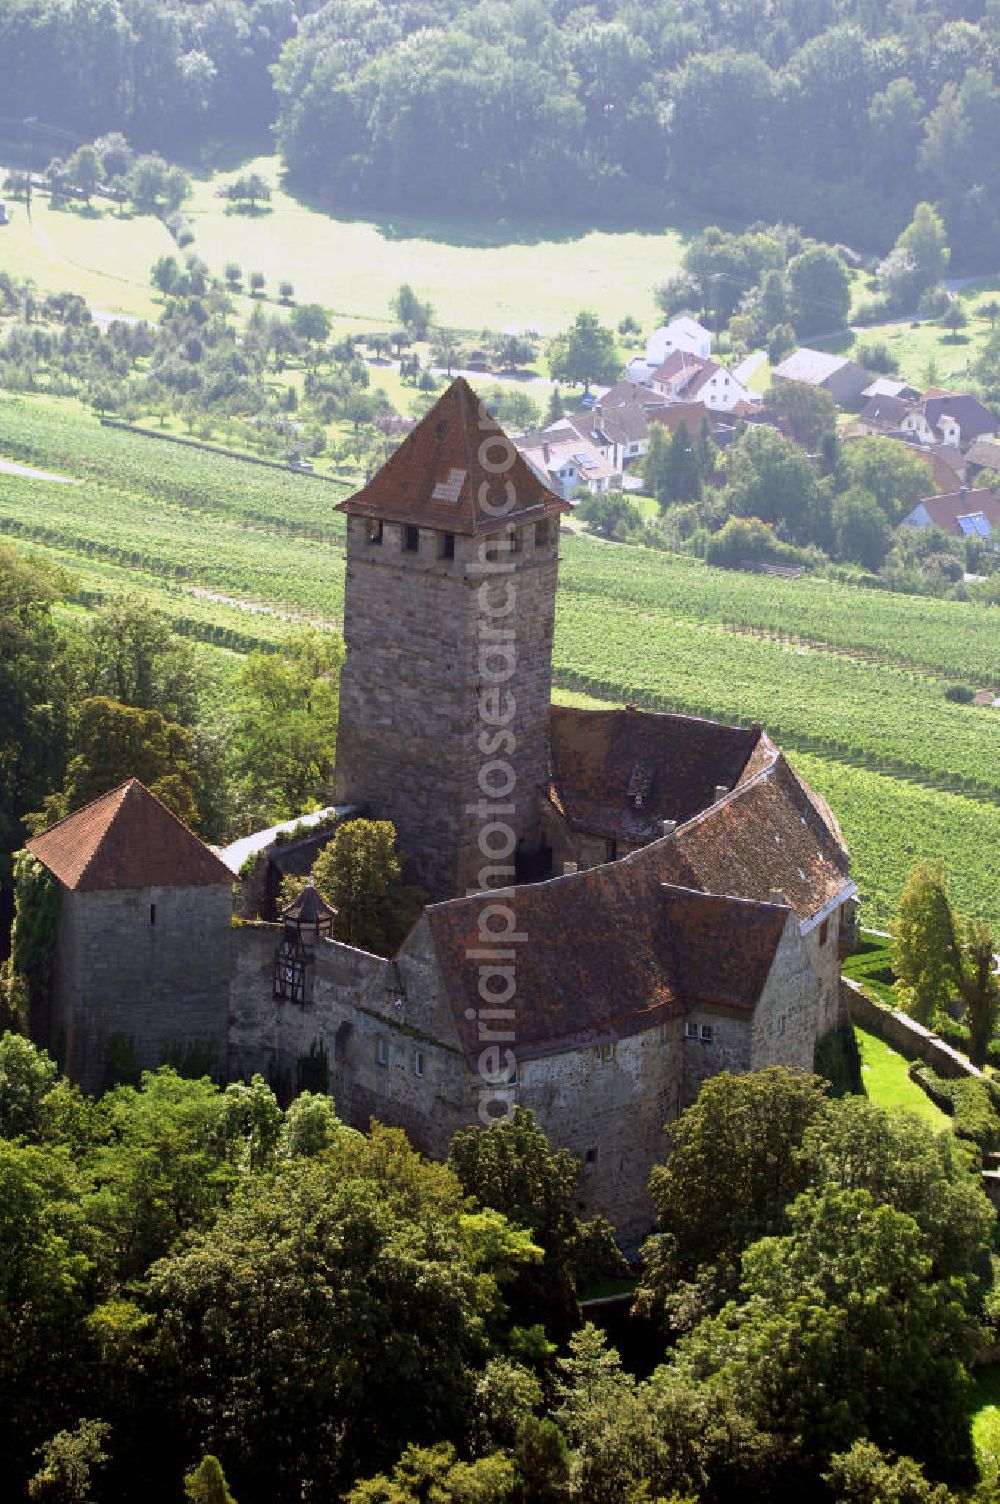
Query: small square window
(690, 1030)
(382, 1052)
(446, 545)
(607, 1052)
(418, 1063)
(707, 1033)
(411, 539)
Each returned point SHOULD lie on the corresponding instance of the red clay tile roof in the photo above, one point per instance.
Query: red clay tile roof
(944, 511)
(127, 839)
(437, 475)
(611, 952)
(771, 833)
(603, 759)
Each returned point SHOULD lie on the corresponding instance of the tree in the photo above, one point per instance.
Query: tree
(610, 516)
(673, 467)
(33, 696)
(206, 1484)
(435, 1472)
(924, 240)
(890, 472)
(285, 729)
(165, 274)
(848, 1290)
(955, 318)
(730, 1170)
(69, 1461)
(416, 317)
(349, 1295)
(556, 408)
(445, 348)
(810, 410)
(511, 1167)
(112, 742)
(819, 290)
(989, 310)
(233, 274)
(286, 292)
(27, 1075)
(130, 654)
(250, 187)
(359, 873)
(771, 478)
(585, 353)
(84, 171)
(940, 956)
(861, 528)
(257, 284)
(312, 323)
(865, 1473)
(781, 341)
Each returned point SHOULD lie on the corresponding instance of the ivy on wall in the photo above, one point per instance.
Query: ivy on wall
(37, 899)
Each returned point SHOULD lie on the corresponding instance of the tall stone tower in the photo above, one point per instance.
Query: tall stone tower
(452, 554)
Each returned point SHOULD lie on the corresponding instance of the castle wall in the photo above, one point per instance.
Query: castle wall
(411, 712)
(159, 980)
(787, 1018)
(609, 1106)
(823, 947)
(392, 1054)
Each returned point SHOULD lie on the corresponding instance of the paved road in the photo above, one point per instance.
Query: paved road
(10, 467)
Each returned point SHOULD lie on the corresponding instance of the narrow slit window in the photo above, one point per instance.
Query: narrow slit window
(375, 533)
(446, 547)
(418, 1063)
(152, 914)
(411, 539)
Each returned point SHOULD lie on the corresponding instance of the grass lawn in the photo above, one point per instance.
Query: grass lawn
(102, 256)
(929, 354)
(984, 1412)
(883, 1072)
(476, 275)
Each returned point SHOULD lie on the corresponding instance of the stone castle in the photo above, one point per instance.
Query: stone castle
(622, 903)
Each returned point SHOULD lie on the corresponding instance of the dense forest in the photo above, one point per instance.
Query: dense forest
(837, 114)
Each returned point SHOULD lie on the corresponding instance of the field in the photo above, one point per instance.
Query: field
(928, 354)
(883, 1072)
(493, 274)
(849, 681)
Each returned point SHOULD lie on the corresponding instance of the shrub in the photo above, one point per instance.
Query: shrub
(960, 694)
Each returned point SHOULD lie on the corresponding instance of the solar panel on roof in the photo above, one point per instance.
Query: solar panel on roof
(974, 524)
(586, 461)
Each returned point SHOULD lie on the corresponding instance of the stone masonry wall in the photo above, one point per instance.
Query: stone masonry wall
(609, 1105)
(160, 980)
(410, 713)
(823, 947)
(788, 1017)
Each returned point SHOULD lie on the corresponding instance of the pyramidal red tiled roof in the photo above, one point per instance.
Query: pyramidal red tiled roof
(126, 839)
(446, 469)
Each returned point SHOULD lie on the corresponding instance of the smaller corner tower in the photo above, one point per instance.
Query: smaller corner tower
(452, 556)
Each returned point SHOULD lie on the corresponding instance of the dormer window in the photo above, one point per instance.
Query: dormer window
(411, 539)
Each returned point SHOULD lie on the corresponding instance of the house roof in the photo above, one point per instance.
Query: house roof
(945, 510)
(685, 372)
(625, 411)
(770, 834)
(560, 448)
(127, 839)
(613, 952)
(604, 760)
(973, 418)
(884, 412)
(985, 453)
(437, 476)
(811, 366)
(888, 386)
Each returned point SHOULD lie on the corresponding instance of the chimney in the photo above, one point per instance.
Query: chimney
(721, 790)
(569, 868)
(668, 827)
(963, 493)
(545, 452)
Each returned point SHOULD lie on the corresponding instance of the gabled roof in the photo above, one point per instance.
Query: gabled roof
(814, 367)
(127, 839)
(682, 369)
(945, 511)
(770, 834)
(972, 417)
(888, 386)
(437, 477)
(612, 952)
(884, 412)
(984, 453)
(603, 760)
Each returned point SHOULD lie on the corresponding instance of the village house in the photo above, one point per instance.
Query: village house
(692, 378)
(963, 513)
(952, 418)
(679, 897)
(682, 333)
(842, 378)
(568, 455)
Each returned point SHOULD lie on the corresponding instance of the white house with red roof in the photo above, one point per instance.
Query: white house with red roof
(692, 378)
